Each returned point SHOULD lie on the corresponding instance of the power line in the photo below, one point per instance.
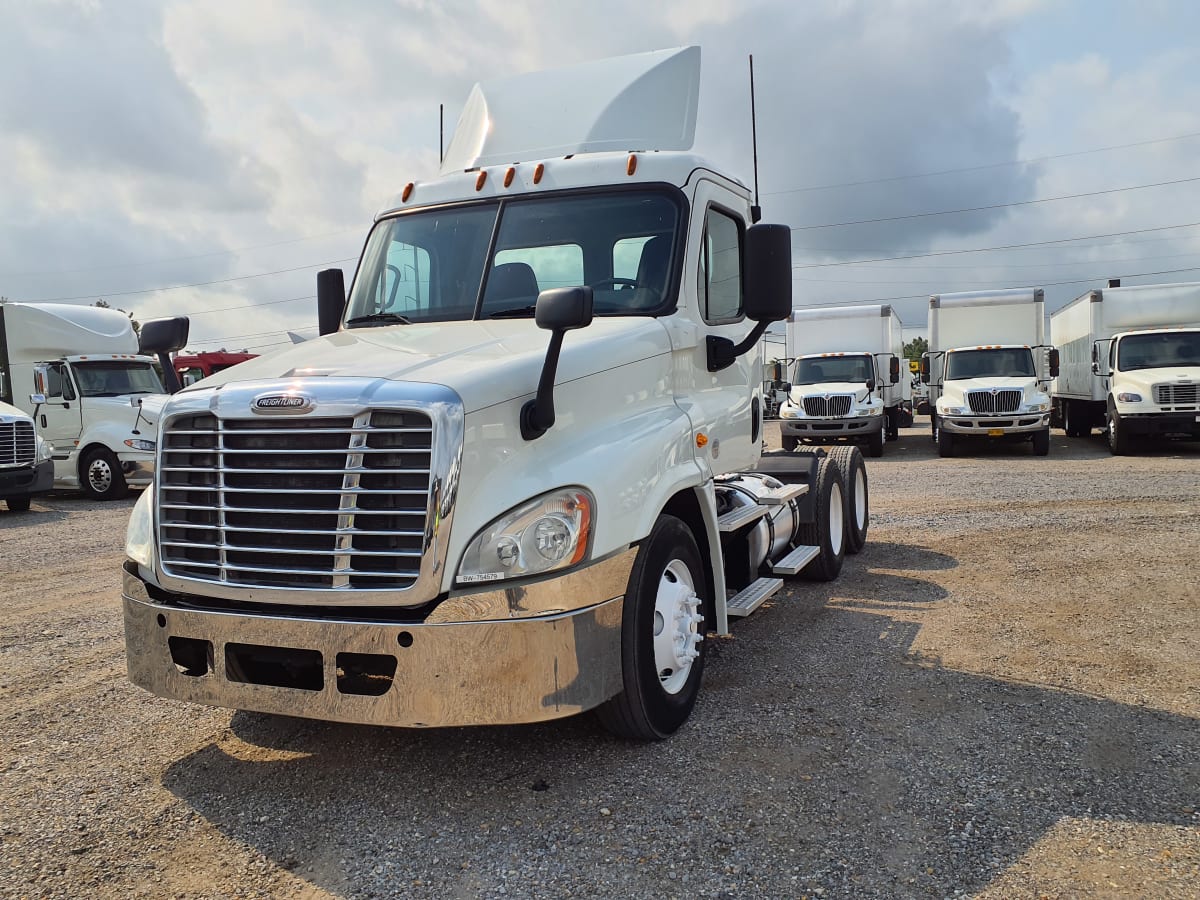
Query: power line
(205, 312)
(947, 212)
(177, 287)
(1090, 237)
(1015, 162)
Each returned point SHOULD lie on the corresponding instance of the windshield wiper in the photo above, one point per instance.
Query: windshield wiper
(517, 312)
(380, 318)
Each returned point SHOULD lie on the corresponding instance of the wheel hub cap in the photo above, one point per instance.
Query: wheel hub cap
(677, 632)
(100, 475)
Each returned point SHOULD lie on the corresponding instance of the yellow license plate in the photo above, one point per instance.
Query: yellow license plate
(995, 432)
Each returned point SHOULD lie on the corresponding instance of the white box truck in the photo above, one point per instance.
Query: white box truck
(1130, 363)
(26, 468)
(512, 479)
(845, 382)
(988, 368)
(100, 396)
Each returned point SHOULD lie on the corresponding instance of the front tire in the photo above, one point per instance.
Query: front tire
(790, 442)
(875, 444)
(662, 636)
(101, 476)
(828, 531)
(1115, 435)
(945, 442)
(1041, 442)
(18, 504)
(858, 510)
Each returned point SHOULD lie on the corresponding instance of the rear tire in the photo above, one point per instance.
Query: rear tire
(1074, 422)
(858, 509)
(828, 531)
(18, 504)
(1041, 442)
(101, 476)
(790, 442)
(662, 625)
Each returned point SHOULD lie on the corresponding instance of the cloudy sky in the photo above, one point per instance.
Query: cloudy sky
(209, 158)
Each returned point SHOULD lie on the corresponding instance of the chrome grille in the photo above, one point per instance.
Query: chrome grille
(335, 503)
(827, 407)
(998, 402)
(1177, 394)
(16, 444)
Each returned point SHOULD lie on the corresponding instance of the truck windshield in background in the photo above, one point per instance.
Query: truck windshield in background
(834, 369)
(1010, 362)
(443, 264)
(1152, 351)
(112, 378)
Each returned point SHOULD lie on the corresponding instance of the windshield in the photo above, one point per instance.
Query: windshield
(442, 265)
(112, 378)
(828, 369)
(1009, 362)
(1152, 351)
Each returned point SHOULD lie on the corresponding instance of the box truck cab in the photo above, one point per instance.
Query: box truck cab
(512, 479)
(845, 381)
(26, 468)
(101, 397)
(988, 368)
(1131, 363)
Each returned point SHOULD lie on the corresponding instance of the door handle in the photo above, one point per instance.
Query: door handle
(43, 420)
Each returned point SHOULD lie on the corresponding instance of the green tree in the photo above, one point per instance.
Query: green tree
(915, 348)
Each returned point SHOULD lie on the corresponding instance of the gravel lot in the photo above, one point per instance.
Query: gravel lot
(1000, 698)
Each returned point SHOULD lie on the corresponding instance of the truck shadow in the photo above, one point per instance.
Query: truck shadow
(851, 762)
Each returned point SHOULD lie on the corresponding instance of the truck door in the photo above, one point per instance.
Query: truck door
(722, 404)
(61, 416)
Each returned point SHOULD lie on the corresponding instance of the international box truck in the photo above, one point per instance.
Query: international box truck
(845, 382)
(26, 468)
(988, 368)
(1130, 363)
(514, 479)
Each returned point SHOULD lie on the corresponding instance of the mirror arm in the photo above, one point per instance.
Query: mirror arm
(722, 352)
(170, 376)
(537, 415)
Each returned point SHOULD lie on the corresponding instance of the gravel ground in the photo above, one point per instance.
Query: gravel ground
(999, 698)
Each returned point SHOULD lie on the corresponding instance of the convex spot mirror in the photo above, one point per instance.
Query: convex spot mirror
(564, 309)
(870, 384)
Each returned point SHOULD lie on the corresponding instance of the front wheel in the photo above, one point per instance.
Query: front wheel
(789, 442)
(1041, 442)
(1115, 434)
(945, 441)
(18, 504)
(662, 636)
(875, 444)
(102, 478)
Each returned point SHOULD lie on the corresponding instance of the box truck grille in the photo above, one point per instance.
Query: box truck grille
(988, 402)
(827, 407)
(1177, 394)
(296, 503)
(16, 444)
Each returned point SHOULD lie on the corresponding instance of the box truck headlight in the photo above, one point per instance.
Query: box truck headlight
(1129, 397)
(1039, 407)
(136, 444)
(548, 533)
(139, 535)
(787, 411)
(43, 449)
(953, 411)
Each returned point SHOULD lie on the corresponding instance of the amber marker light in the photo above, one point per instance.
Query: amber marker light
(631, 166)
(702, 440)
(538, 172)
(584, 508)
(480, 179)
(406, 193)
(509, 175)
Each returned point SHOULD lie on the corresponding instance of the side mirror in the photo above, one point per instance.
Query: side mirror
(558, 310)
(331, 300)
(768, 274)
(164, 337)
(1053, 362)
(777, 372)
(894, 369)
(785, 386)
(925, 370)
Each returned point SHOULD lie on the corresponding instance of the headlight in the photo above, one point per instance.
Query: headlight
(139, 535)
(1129, 397)
(873, 410)
(43, 449)
(952, 411)
(787, 411)
(135, 444)
(548, 533)
(1039, 407)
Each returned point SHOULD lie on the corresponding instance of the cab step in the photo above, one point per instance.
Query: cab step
(742, 515)
(783, 494)
(794, 562)
(752, 597)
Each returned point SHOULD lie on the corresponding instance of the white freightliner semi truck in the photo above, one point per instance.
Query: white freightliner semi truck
(845, 382)
(511, 480)
(99, 396)
(1130, 363)
(988, 368)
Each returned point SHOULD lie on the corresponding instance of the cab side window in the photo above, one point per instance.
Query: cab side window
(59, 383)
(720, 281)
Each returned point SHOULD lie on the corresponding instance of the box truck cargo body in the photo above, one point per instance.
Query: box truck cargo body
(101, 396)
(1130, 363)
(989, 369)
(845, 381)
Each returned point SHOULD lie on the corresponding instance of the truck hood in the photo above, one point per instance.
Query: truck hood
(857, 388)
(955, 390)
(1144, 379)
(117, 409)
(484, 362)
(11, 412)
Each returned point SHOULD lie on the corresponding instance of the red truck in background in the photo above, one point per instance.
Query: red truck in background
(194, 366)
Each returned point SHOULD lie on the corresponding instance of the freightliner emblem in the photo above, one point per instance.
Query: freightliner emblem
(282, 404)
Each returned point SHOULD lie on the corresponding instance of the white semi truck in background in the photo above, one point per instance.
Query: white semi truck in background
(512, 480)
(988, 368)
(99, 395)
(845, 382)
(1130, 363)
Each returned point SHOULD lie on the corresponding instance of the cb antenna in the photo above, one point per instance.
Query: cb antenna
(755, 210)
(441, 133)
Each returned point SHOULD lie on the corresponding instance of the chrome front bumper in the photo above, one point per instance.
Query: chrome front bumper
(1014, 423)
(831, 428)
(372, 672)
